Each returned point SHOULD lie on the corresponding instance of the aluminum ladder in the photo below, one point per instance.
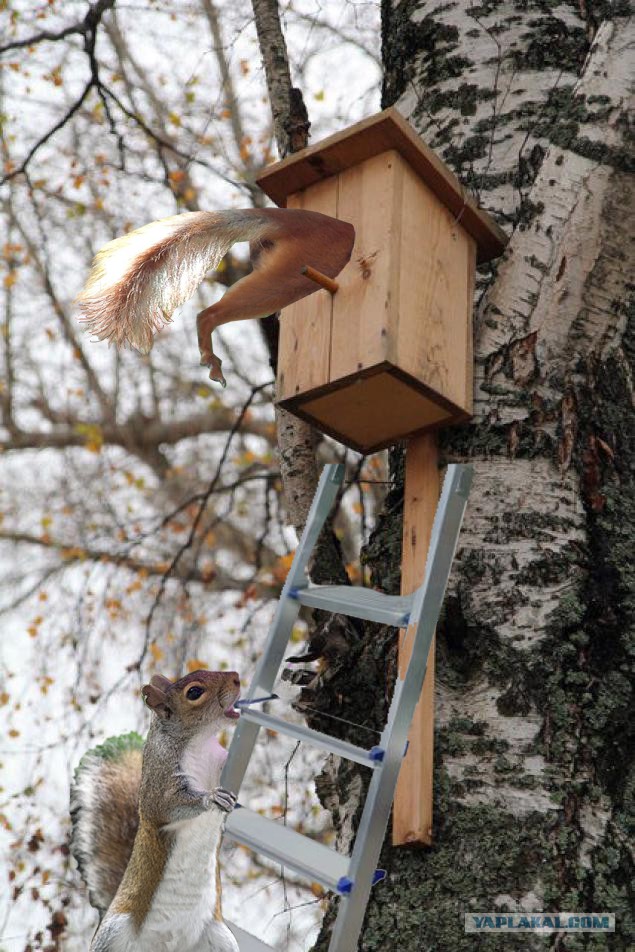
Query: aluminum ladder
(351, 876)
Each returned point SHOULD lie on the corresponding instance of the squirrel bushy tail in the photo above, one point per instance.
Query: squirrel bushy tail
(137, 281)
(105, 814)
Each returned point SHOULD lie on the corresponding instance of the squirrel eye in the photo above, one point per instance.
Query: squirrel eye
(194, 693)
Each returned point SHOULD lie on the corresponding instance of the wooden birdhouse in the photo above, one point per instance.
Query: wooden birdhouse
(389, 354)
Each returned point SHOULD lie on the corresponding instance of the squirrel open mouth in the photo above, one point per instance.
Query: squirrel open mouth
(231, 712)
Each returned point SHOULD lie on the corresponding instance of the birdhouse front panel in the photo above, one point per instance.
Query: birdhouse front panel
(389, 354)
(305, 341)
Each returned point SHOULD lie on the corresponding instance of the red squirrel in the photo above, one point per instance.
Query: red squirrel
(146, 837)
(138, 280)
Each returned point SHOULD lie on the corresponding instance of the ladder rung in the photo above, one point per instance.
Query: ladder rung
(368, 758)
(358, 602)
(287, 847)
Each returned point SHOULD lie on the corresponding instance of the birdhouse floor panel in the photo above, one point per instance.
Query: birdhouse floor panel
(374, 408)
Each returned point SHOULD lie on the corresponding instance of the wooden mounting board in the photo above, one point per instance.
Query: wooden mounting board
(412, 811)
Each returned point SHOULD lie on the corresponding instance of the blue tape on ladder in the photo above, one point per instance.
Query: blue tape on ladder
(378, 875)
(376, 754)
(405, 620)
(344, 885)
(294, 593)
(405, 750)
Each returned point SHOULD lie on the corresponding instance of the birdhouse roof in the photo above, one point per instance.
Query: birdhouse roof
(381, 132)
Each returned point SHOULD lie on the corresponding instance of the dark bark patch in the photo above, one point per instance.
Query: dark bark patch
(410, 47)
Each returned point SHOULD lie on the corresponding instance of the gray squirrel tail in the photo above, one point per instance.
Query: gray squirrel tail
(105, 814)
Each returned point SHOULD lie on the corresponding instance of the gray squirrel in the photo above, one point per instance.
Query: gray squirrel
(161, 894)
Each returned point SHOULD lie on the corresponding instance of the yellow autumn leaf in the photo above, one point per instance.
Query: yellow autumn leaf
(298, 633)
(282, 566)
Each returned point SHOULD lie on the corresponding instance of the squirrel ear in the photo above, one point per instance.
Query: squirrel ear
(164, 684)
(156, 699)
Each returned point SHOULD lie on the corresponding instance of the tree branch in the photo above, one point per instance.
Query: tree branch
(231, 99)
(296, 439)
(137, 434)
(80, 553)
(83, 28)
(290, 118)
(67, 330)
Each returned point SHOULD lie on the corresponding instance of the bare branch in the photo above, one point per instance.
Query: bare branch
(67, 329)
(88, 28)
(290, 118)
(231, 100)
(296, 439)
(21, 169)
(137, 434)
(83, 28)
(195, 523)
(80, 553)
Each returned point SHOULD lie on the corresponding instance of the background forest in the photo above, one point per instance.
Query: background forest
(146, 516)
(141, 526)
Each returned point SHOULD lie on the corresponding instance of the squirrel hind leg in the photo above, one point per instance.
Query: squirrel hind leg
(206, 322)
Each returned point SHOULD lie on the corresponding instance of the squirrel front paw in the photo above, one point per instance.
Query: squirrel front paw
(224, 799)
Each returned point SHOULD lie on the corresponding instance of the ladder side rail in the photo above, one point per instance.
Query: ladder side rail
(376, 813)
(287, 610)
(370, 837)
(452, 503)
(238, 756)
(331, 478)
(246, 733)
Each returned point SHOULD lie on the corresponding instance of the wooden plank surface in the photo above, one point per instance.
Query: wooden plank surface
(305, 327)
(366, 297)
(373, 411)
(468, 328)
(433, 258)
(370, 137)
(412, 811)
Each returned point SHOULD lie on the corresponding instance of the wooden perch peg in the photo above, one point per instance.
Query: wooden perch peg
(322, 279)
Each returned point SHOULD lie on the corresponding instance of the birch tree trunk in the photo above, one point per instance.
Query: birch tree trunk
(527, 101)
